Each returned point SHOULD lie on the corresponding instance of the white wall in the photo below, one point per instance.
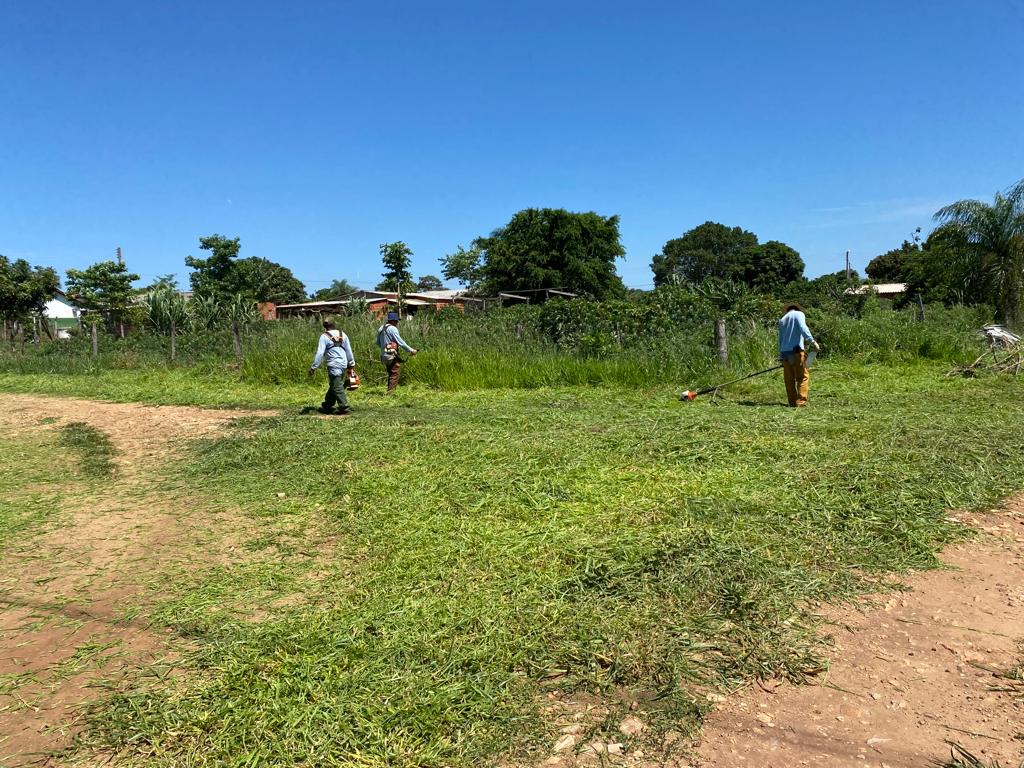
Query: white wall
(58, 309)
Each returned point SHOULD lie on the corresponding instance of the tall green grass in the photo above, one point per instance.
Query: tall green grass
(511, 349)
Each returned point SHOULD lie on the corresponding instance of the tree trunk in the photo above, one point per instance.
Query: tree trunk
(95, 341)
(174, 331)
(236, 334)
(721, 341)
(21, 337)
(120, 325)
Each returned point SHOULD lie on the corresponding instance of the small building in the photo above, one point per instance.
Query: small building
(62, 311)
(883, 290)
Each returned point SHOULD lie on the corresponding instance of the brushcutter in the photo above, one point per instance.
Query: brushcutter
(691, 394)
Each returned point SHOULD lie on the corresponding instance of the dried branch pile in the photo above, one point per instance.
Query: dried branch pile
(998, 359)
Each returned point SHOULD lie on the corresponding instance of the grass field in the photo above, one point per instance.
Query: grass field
(420, 576)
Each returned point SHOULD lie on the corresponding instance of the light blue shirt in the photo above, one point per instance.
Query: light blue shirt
(389, 333)
(339, 356)
(793, 332)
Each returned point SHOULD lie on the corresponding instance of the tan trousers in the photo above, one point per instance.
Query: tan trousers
(797, 377)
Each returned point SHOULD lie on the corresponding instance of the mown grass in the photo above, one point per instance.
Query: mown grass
(28, 494)
(93, 446)
(422, 572)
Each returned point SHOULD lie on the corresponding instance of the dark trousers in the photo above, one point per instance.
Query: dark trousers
(335, 391)
(394, 368)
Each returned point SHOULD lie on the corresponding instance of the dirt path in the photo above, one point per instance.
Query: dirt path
(917, 670)
(64, 592)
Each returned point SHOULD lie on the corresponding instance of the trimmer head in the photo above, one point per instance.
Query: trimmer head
(689, 395)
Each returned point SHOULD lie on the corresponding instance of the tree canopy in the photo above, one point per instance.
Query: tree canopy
(544, 248)
(211, 275)
(713, 250)
(396, 258)
(429, 283)
(336, 289)
(24, 290)
(893, 266)
(223, 275)
(261, 280)
(104, 287)
(989, 238)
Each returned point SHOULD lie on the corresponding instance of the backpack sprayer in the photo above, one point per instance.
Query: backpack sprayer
(690, 395)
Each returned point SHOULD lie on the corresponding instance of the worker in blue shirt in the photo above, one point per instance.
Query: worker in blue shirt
(793, 334)
(334, 347)
(390, 342)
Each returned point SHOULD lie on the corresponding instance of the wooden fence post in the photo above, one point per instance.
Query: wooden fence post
(95, 342)
(721, 341)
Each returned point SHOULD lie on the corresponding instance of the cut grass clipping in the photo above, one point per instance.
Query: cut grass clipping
(961, 758)
(93, 446)
(430, 582)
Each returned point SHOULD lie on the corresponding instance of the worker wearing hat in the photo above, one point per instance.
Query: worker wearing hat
(390, 342)
(793, 334)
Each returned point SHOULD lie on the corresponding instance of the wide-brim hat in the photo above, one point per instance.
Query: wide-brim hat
(788, 305)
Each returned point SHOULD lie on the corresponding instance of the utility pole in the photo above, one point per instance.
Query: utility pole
(120, 260)
(847, 266)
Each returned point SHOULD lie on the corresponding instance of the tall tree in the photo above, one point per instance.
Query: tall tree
(893, 266)
(24, 290)
(212, 275)
(429, 283)
(994, 233)
(261, 280)
(104, 288)
(546, 248)
(768, 267)
(465, 266)
(335, 290)
(396, 258)
(709, 250)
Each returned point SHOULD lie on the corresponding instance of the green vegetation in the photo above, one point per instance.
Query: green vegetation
(27, 496)
(93, 446)
(418, 576)
(662, 339)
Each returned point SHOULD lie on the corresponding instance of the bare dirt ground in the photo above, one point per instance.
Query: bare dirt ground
(908, 674)
(911, 673)
(65, 593)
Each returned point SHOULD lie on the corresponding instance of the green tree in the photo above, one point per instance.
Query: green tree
(429, 283)
(550, 248)
(397, 258)
(104, 288)
(261, 280)
(212, 276)
(709, 250)
(993, 235)
(24, 290)
(335, 290)
(893, 266)
(768, 267)
(465, 266)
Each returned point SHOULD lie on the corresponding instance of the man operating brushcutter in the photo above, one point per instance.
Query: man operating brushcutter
(334, 347)
(793, 333)
(390, 342)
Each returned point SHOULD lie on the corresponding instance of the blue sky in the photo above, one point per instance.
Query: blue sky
(317, 130)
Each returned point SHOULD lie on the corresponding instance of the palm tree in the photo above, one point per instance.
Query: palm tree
(995, 234)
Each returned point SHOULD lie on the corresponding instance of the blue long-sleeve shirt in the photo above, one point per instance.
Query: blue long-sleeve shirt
(338, 354)
(388, 333)
(793, 332)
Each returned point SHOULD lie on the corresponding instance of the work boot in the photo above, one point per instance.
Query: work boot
(344, 411)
